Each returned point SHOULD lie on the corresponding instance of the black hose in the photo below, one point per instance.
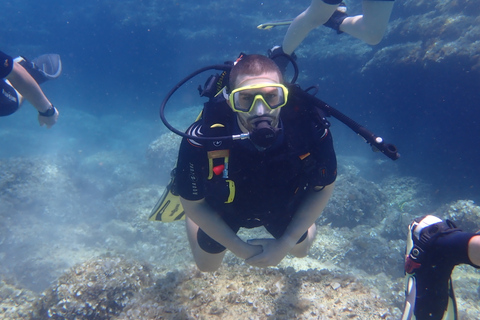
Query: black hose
(221, 67)
(375, 141)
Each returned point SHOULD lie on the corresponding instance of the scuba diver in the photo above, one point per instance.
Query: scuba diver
(434, 248)
(281, 178)
(21, 78)
(260, 154)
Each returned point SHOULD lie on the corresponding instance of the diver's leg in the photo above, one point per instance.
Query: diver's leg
(206, 262)
(317, 14)
(371, 26)
(301, 249)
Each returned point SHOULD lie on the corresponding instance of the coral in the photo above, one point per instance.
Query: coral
(96, 289)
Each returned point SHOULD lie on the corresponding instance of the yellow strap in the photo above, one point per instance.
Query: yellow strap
(303, 156)
(231, 187)
(215, 154)
(210, 168)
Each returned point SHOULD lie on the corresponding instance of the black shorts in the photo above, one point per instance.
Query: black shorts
(275, 225)
(6, 65)
(9, 101)
(8, 96)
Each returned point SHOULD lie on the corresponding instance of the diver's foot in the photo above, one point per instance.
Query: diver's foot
(280, 58)
(43, 68)
(337, 18)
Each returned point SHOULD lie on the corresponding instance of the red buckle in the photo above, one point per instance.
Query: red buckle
(218, 169)
(411, 265)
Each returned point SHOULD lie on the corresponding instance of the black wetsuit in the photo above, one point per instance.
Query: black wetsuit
(9, 102)
(269, 184)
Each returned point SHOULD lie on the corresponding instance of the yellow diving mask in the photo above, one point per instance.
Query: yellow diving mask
(243, 99)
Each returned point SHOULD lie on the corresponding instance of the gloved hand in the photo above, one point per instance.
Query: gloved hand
(49, 117)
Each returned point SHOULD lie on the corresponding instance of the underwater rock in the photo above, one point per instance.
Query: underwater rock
(32, 181)
(162, 153)
(464, 213)
(374, 254)
(433, 32)
(107, 173)
(242, 292)
(408, 198)
(355, 201)
(96, 289)
(15, 303)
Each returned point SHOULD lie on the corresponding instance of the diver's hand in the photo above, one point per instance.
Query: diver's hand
(273, 252)
(248, 250)
(48, 120)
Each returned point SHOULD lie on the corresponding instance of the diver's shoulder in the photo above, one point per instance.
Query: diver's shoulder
(195, 130)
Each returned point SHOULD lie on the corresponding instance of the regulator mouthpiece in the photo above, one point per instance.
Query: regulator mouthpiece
(264, 135)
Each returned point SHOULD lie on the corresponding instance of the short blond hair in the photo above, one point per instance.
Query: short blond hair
(254, 65)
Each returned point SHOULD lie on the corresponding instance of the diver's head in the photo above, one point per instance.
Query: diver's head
(256, 96)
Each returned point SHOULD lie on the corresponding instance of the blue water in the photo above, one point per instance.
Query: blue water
(120, 58)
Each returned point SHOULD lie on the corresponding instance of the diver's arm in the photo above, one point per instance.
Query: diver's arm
(23, 82)
(275, 250)
(213, 225)
(310, 210)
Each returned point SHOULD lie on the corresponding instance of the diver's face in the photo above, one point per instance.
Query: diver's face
(260, 111)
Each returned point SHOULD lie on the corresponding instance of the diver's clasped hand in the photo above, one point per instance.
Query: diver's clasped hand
(273, 252)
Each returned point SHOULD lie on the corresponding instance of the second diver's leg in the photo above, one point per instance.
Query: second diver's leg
(371, 26)
(206, 262)
(317, 14)
(301, 249)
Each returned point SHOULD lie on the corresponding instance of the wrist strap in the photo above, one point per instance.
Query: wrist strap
(50, 112)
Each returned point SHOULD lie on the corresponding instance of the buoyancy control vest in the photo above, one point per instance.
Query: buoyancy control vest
(302, 127)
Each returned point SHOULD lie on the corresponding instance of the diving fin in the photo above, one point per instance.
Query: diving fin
(168, 207)
(410, 296)
(270, 25)
(43, 68)
(451, 313)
